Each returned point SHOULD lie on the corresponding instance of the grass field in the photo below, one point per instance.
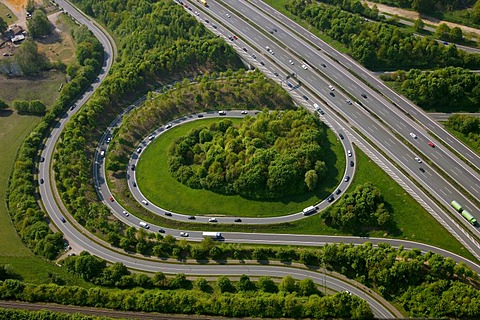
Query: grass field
(3, 14)
(156, 183)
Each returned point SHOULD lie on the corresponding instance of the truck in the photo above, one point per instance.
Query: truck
(469, 217)
(456, 205)
(143, 224)
(213, 235)
(309, 210)
(204, 2)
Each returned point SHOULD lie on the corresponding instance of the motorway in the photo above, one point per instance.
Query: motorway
(48, 197)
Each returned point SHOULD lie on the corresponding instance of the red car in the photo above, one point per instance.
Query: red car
(430, 143)
(111, 199)
(235, 37)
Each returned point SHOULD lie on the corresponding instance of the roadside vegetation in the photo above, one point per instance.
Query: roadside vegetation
(466, 128)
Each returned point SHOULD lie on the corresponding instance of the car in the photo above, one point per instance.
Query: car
(431, 144)
(291, 62)
(418, 159)
(230, 38)
(228, 15)
(132, 167)
(196, 13)
(235, 37)
(139, 149)
(102, 153)
(338, 191)
(63, 219)
(151, 137)
(134, 183)
(42, 159)
(161, 230)
(244, 49)
(244, 112)
(332, 94)
(331, 88)
(168, 126)
(421, 169)
(214, 26)
(168, 214)
(212, 220)
(199, 115)
(271, 51)
(305, 97)
(72, 107)
(222, 113)
(262, 63)
(330, 198)
(349, 102)
(191, 218)
(304, 67)
(323, 65)
(206, 21)
(275, 74)
(347, 178)
(316, 106)
(42, 181)
(109, 139)
(341, 136)
(349, 153)
(183, 234)
(352, 163)
(321, 111)
(111, 199)
(445, 43)
(289, 85)
(268, 48)
(364, 95)
(71, 254)
(238, 220)
(145, 202)
(413, 135)
(125, 213)
(254, 56)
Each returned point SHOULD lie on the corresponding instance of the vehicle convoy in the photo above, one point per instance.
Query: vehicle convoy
(467, 215)
(213, 235)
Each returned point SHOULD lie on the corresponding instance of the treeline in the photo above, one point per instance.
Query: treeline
(32, 107)
(380, 46)
(158, 42)
(242, 304)
(429, 89)
(360, 211)
(27, 216)
(429, 6)
(468, 126)
(45, 315)
(268, 156)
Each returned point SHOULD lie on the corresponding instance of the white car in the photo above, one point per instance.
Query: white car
(139, 150)
(316, 106)
(125, 213)
(151, 137)
(418, 159)
(349, 153)
(291, 62)
(244, 112)
(228, 15)
(304, 66)
(168, 126)
(413, 135)
(184, 234)
(212, 220)
(145, 202)
(331, 88)
(222, 113)
(349, 102)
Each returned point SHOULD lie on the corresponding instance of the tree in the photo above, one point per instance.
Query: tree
(3, 105)
(476, 12)
(202, 284)
(423, 6)
(456, 34)
(442, 31)
(225, 285)
(307, 287)
(245, 284)
(287, 284)
(418, 25)
(30, 7)
(39, 25)
(311, 179)
(3, 26)
(30, 61)
(266, 284)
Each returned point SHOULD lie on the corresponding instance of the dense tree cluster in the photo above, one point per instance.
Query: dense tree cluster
(45, 315)
(3, 26)
(356, 6)
(468, 126)
(429, 89)
(241, 304)
(39, 25)
(264, 157)
(32, 107)
(429, 6)
(3, 105)
(378, 45)
(444, 32)
(23, 207)
(359, 210)
(30, 61)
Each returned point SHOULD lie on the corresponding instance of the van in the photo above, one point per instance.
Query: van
(309, 210)
(143, 224)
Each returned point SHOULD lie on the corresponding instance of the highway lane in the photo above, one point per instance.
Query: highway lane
(448, 192)
(402, 103)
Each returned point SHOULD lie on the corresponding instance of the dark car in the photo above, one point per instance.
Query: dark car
(200, 115)
(168, 214)
(305, 97)
(341, 136)
(422, 170)
(262, 63)
(191, 218)
(133, 167)
(134, 184)
(332, 94)
(276, 74)
(161, 230)
(63, 219)
(238, 220)
(324, 65)
(338, 191)
(330, 199)
(42, 181)
(351, 164)
(42, 159)
(364, 95)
